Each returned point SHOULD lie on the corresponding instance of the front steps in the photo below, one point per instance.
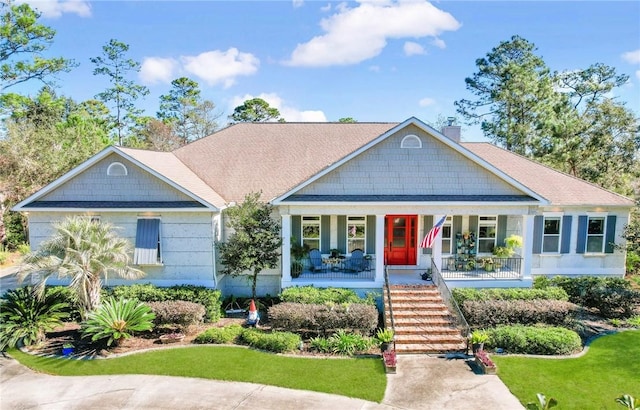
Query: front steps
(423, 323)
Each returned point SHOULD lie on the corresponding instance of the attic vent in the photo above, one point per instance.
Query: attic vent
(411, 141)
(116, 169)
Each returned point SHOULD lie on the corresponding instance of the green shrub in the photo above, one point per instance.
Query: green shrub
(320, 344)
(345, 343)
(24, 249)
(462, 295)
(313, 295)
(342, 343)
(116, 319)
(534, 340)
(277, 342)
(634, 321)
(220, 335)
(177, 312)
(69, 297)
(612, 297)
(209, 298)
(3, 257)
(490, 313)
(25, 318)
(296, 317)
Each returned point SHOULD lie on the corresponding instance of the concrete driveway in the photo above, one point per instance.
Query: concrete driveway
(422, 382)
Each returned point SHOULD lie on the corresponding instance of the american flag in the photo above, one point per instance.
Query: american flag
(430, 238)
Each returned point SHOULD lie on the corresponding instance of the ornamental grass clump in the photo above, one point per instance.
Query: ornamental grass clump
(116, 320)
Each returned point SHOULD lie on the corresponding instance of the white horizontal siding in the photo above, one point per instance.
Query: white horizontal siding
(186, 240)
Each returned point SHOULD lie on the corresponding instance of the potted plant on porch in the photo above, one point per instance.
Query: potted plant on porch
(298, 253)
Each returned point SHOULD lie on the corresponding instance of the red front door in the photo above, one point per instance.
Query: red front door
(400, 239)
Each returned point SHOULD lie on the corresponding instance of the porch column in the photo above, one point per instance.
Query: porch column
(436, 249)
(527, 251)
(286, 249)
(379, 249)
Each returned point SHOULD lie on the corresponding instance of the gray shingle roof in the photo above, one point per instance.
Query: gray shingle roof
(409, 198)
(559, 188)
(272, 157)
(168, 165)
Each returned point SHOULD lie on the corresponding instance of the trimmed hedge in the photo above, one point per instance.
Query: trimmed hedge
(612, 297)
(209, 298)
(490, 313)
(295, 317)
(462, 295)
(313, 295)
(534, 340)
(177, 312)
(219, 335)
(277, 342)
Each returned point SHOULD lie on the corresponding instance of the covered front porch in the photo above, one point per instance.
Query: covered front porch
(392, 241)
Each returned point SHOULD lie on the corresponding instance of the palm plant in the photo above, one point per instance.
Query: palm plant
(25, 318)
(86, 252)
(116, 319)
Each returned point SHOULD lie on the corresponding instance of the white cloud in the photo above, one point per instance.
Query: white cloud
(56, 8)
(375, 68)
(638, 74)
(221, 67)
(290, 114)
(326, 8)
(356, 34)
(411, 48)
(426, 102)
(298, 3)
(632, 57)
(439, 43)
(158, 70)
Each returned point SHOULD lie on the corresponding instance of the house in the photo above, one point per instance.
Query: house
(374, 187)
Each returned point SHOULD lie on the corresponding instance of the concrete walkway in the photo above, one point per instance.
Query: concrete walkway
(422, 382)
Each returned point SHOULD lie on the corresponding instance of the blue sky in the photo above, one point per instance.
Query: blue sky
(320, 60)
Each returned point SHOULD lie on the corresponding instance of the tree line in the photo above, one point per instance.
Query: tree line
(566, 120)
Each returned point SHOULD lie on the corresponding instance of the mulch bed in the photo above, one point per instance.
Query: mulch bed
(70, 333)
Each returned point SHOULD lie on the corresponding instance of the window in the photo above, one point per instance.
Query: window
(356, 233)
(487, 226)
(447, 235)
(116, 169)
(411, 141)
(148, 249)
(311, 231)
(595, 234)
(551, 234)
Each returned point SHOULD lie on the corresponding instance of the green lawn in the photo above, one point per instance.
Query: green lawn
(359, 378)
(609, 369)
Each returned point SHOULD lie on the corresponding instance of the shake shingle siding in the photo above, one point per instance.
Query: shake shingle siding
(95, 185)
(388, 169)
